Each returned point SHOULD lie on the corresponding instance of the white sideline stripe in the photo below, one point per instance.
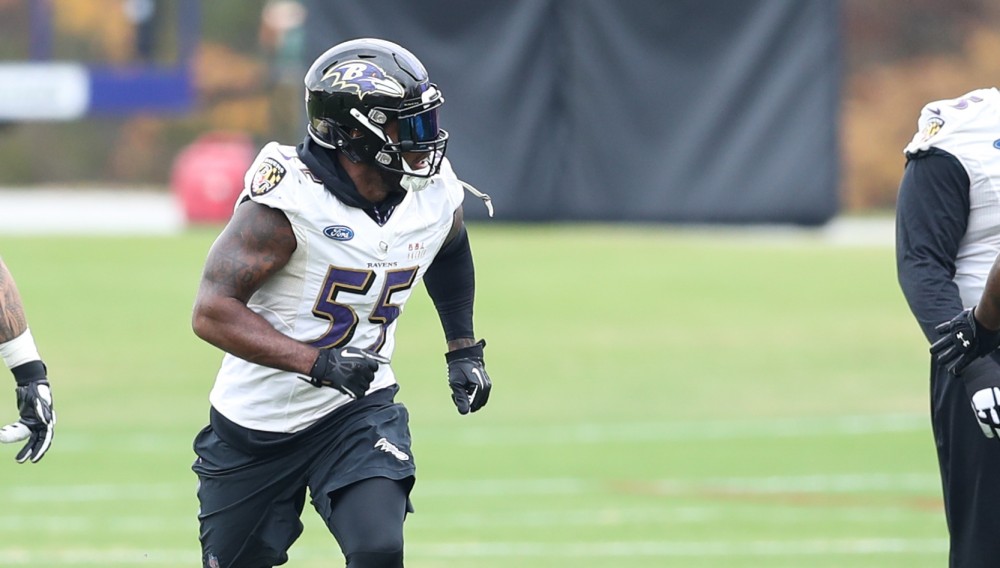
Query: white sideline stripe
(877, 514)
(97, 492)
(109, 212)
(65, 210)
(641, 432)
(67, 524)
(860, 231)
(587, 432)
(98, 557)
(825, 483)
(617, 549)
(777, 548)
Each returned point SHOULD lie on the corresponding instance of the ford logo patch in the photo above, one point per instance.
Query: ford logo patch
(339, 232)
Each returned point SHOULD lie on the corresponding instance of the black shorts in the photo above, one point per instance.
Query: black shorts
(969, 462)
(252, 484)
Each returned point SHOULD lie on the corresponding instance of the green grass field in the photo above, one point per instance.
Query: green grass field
(662, 399)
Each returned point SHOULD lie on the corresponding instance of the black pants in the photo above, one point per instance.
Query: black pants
(970, 466)
(355, 463)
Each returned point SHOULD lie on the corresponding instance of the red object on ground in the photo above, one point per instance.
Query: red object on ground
(207, 175)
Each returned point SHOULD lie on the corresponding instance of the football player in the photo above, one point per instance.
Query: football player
(303, 289)
(34, 398)
(947, 238)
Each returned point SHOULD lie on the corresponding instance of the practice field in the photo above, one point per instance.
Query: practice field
(662, 398)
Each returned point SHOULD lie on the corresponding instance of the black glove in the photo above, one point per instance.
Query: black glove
(34, 403)
(349, 370)
(964, 341)
(470, 385)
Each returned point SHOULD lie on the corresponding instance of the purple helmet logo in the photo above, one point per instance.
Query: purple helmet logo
(363, 78)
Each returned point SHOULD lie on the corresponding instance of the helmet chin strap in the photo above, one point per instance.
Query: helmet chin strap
(487, 200)
(407, 182)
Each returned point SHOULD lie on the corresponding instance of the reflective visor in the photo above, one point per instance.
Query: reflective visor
(422, 127)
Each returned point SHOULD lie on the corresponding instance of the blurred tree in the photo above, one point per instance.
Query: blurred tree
(13, 30)
(898, 55)
(282, 39)
(96, 30)
(231, 77)
(902, 54)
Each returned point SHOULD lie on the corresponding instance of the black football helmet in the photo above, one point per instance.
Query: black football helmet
(357, 88)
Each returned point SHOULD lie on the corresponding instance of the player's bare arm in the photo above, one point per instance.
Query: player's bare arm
(12, 319)
(257, 242)
(988, 310)
(34, 397)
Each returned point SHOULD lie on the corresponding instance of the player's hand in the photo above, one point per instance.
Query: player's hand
(470, 385)
(38, 419)
(349, 370)
(964, 340)
(986, 405)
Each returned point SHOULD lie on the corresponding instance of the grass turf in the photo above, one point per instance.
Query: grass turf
(662, 398)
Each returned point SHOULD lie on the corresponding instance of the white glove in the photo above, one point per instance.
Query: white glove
(986, 405)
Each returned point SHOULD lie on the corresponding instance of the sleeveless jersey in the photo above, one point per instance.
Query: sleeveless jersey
(969, 129)
(345, 284)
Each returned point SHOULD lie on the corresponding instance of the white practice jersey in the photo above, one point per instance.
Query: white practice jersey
(345, 284)
(969, 129)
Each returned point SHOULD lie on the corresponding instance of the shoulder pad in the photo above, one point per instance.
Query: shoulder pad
(273, 167)
(268, 169)
(945, 122)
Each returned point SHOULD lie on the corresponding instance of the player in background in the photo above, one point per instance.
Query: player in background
(34, 399)
(302, 290)
(947, 238)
